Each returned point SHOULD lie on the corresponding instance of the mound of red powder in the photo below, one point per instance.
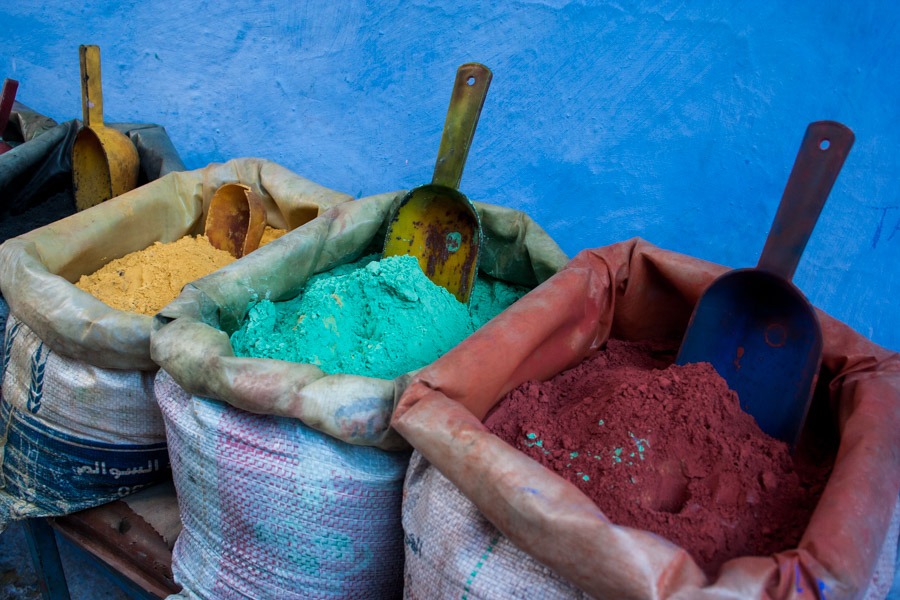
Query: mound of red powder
(667, 449)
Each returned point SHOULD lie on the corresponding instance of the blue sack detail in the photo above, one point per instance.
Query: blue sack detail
(7, 349)
(36, 389)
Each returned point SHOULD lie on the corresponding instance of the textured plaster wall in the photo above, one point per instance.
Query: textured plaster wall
(674, 121)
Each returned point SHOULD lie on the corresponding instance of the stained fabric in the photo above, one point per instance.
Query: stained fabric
(37, 269)
(634, 290)
(191, 336)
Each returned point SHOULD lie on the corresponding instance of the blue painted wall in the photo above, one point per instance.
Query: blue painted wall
(674, 121)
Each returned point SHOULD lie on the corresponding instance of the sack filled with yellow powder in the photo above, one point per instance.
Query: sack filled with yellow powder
(83, 425)
(146, 280)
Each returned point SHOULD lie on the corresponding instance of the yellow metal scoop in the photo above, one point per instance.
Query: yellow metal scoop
(236, 219)
(105, 162)
(436, 223)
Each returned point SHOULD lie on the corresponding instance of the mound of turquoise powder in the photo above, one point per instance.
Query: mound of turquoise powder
(377, 318)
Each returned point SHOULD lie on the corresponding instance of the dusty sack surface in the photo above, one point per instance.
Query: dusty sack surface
(667, 449)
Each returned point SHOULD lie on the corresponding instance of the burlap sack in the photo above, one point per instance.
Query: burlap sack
(80, 425)
(302, 499)
(633, 290)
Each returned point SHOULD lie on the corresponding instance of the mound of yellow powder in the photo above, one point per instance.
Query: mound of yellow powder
(146, 280)
(271, 234)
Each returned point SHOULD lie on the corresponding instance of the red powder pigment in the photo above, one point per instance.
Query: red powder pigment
(664, 448)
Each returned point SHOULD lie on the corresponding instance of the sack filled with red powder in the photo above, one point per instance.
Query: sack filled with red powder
(665, 448)
(604, 545)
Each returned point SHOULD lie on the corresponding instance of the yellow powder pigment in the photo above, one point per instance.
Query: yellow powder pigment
(271, 234)
(145, 281)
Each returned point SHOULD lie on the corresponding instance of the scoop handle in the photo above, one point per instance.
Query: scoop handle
(469, 91)
(91, 90)
(7, 97)
(823, 150)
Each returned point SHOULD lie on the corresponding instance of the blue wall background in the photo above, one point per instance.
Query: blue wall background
(674, 121)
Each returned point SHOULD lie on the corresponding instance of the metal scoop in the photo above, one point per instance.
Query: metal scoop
(105, 162)
(236, 219)
(7, 98)
(756, 328)
(436, 223)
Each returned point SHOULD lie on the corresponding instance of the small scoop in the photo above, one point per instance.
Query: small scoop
(105, 162)
(756, 328)
(236, 219)
(436, 223)
(7, 98)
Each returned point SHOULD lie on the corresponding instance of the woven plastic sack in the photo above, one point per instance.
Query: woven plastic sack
(271, 508)
(453, 550)
(73, 432)
(317, 461)
(80, 425)
(630, 291)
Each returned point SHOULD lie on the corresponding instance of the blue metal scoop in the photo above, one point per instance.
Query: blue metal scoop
(756, 328)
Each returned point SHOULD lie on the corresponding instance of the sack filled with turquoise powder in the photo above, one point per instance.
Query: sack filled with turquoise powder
(316, 327)
(277, 386)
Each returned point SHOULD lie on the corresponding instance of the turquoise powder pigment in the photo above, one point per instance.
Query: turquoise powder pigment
(377, 318)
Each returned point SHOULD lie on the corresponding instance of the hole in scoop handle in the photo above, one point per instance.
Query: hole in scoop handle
(823, 150)
(91, 90)
(469, 91)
